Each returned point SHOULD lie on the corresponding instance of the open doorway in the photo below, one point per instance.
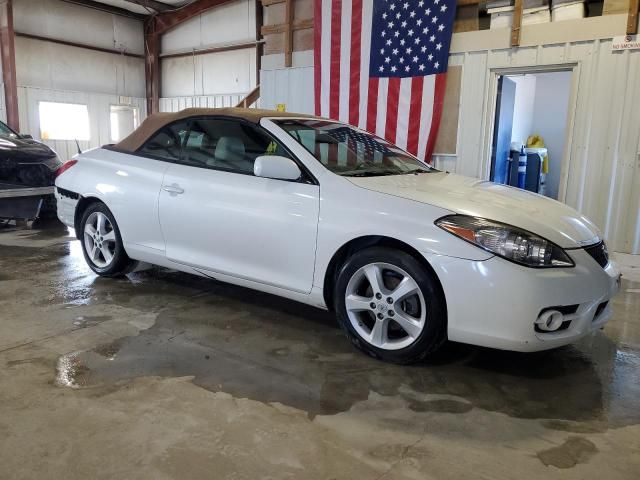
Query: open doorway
(530, 131)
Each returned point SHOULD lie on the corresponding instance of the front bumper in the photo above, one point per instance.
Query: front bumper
(495, 303)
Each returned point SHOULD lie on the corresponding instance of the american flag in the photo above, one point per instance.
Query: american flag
(381, 65)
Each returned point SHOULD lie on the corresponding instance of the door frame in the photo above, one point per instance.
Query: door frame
(490, 112)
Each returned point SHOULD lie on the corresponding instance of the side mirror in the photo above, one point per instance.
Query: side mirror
(275, 166)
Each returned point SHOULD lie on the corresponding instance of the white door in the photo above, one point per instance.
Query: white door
(217, 216)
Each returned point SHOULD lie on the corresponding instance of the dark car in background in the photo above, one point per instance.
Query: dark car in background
(25, 161)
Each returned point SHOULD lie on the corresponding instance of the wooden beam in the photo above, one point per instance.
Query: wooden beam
(464, 3)
(632, 18)
(288, 33)
(8, 55)
(266, 3)
(250, 99)
(517, 23)
(281, 27)
(78, 45)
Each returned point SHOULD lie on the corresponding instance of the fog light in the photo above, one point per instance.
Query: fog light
(550, 320)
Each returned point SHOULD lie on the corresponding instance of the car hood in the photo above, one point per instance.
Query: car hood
(543, 216)
(24, 149)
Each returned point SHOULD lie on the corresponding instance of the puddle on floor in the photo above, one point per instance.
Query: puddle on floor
(269, 349)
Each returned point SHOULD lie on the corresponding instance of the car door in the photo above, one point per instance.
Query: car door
(217, 216)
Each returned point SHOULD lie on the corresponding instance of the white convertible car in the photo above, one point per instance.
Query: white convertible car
(326, 214)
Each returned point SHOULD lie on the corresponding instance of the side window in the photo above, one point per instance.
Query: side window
(229, 145)
(166, 143)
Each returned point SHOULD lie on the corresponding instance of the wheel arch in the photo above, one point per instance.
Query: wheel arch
(359, 243)
(81, 207)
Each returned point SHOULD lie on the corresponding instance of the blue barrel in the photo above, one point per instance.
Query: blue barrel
(522, 169)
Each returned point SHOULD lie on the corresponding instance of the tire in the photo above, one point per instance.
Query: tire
(406, 321)
(111, 260)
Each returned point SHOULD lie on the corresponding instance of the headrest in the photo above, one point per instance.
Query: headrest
(229, 149)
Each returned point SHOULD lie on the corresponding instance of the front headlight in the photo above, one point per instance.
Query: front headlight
(506, 241)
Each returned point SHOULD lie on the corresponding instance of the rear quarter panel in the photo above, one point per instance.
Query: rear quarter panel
(129, 185)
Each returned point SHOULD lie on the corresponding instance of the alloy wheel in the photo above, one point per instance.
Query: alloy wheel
(99, 239)
(385, 305)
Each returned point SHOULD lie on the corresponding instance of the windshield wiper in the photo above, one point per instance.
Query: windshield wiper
(370, 173)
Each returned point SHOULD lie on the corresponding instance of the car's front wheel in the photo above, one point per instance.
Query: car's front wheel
(390, 305)
(101, 242)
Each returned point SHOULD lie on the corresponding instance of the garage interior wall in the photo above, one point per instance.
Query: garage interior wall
(48, 71)
(601, 164)
(213, 79)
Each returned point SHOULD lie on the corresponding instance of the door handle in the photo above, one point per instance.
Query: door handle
(173, 189)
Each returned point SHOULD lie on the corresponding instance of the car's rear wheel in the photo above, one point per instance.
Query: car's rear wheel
(390, 305)
(101, 242)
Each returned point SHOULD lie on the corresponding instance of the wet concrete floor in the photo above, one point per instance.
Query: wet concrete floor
(166, 375)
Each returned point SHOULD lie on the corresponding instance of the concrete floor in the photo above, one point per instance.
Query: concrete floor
(164, 375)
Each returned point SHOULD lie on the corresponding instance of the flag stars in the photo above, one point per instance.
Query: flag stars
(440, 27)
(383, 33)
(412, 14)
(392, 6)
(436, 65)
(430, 57)
(390, 24)
(438, 46)
(415, 59)
(427, 12)
(425, 30)
(421, 67)
(417, 41)
(432, 38)
(404, 24)
(421, 3)
(406, 5)
(410, 33)
(396, 34)
(443, 8)
(401, 60)
(394, 69)
(382, 51)
(402, 42)
(407, 68)
(387, 59)
(423, 49)
(381, 69)
(388, 42)
(409, 51)
(384, 16)
(398, 15)
(434, 20)
(419, 22)
(394, 51)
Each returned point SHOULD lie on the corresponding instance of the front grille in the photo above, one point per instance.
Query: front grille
(599, 253)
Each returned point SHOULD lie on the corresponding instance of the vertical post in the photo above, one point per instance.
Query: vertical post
(8, 54)
(259, 46)
(288, 33)
(152, 69)
(517, 23)
(632, 18)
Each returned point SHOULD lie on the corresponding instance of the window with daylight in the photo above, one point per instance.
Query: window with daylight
(124, 120)
(63, 121)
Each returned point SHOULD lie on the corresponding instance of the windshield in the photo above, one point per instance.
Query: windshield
(4, 130)
(349, 151)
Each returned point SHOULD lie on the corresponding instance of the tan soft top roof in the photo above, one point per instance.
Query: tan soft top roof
(155, 122)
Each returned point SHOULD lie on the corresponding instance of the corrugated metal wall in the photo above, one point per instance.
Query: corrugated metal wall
(99, 116)
(602, 163)
(175, 104)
